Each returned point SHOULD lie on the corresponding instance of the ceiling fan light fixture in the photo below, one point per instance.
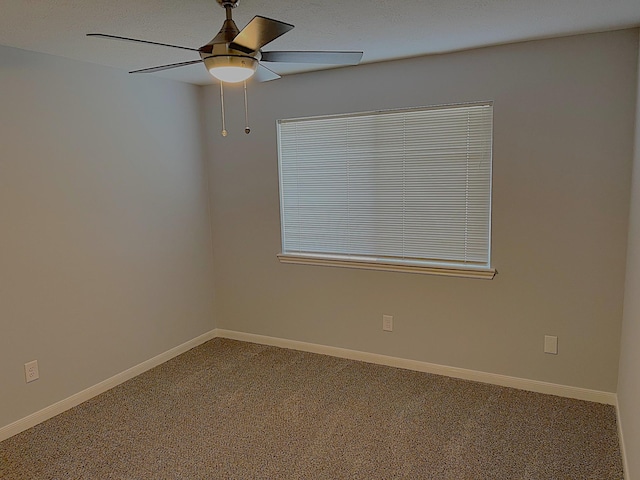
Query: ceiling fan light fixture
(231, 68)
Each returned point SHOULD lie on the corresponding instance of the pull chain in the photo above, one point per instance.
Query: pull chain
(224, 128)
(247, 130)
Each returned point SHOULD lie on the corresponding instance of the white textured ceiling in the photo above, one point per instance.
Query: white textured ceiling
(383, 29)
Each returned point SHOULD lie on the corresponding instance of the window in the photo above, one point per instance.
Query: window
(405, 190)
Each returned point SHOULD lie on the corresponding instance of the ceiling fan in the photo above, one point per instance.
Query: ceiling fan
(234, 55)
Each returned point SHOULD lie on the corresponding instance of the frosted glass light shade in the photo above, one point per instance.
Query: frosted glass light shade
(231, 68)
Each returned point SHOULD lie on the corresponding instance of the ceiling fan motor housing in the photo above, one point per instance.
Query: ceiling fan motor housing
(219, 46)
(219, 54)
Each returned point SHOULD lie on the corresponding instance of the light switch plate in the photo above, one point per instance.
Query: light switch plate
(387, 323)
(551, 344)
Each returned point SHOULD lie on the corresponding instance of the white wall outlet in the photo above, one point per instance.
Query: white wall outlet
(31, 371)
(551, 344)
(387, 323)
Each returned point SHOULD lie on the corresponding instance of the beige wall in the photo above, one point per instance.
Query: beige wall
(564, 113)
(629, 379)
(105, 242)
(105, 245)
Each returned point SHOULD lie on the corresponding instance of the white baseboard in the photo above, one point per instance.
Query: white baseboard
(491, 378)
(462, 373)
(76, 399)
(623, 450)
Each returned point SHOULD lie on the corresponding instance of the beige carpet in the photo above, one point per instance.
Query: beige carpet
(237, 410)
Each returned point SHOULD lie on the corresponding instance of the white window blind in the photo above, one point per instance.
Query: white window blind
(410, 187)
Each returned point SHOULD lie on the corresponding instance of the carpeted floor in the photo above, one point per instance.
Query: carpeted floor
(238, 410)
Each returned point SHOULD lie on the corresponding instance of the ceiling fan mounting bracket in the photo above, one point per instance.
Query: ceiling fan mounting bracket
(228, 3)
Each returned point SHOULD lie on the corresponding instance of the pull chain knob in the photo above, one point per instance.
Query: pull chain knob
(247, 130)
(224, 127)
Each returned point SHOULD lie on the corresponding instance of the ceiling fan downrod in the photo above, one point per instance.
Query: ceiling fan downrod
(228, 5)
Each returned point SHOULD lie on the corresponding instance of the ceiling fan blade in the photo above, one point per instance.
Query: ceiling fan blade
(126, 39)
(263, 74)
(166, 67)
(258, 32)
(329, 58)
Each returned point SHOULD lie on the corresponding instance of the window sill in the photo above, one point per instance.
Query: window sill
(387, 266)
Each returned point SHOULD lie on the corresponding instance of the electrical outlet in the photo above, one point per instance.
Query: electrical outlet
(387, 323)
(551, 344)
(31, 371)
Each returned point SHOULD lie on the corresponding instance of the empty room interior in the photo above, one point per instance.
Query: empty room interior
(159, 319)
